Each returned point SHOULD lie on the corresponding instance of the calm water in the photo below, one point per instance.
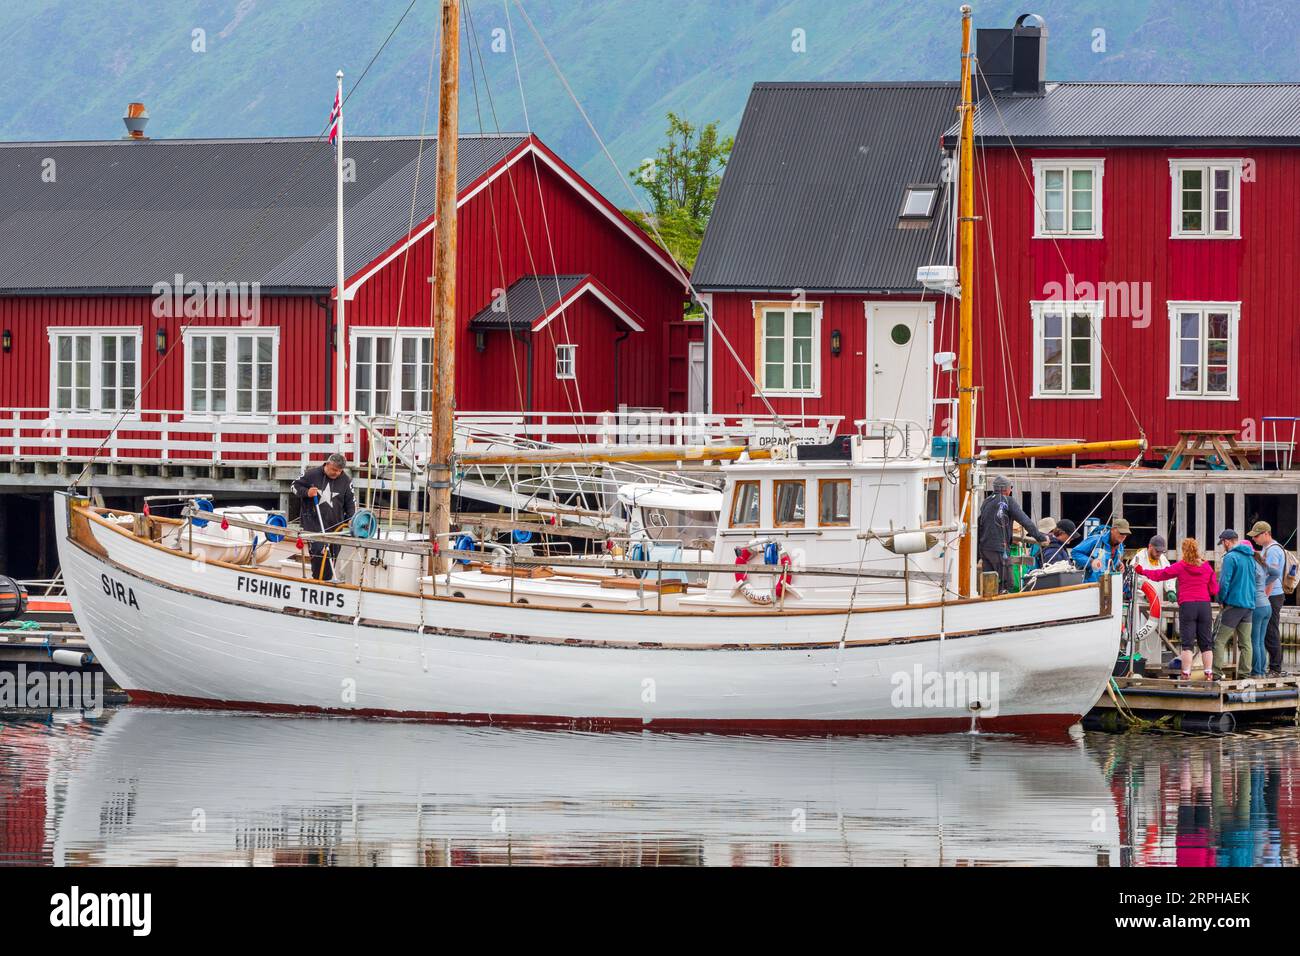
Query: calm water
(152, 786)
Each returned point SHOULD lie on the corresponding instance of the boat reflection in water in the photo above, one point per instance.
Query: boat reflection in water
(154, 786)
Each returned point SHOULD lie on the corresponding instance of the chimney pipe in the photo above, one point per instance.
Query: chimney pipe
(135, 118)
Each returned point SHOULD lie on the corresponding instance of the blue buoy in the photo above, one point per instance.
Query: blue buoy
(203, 504)
(520, 536)
(364, 524)
(276, 521)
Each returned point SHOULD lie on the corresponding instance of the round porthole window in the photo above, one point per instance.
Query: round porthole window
(901, 334)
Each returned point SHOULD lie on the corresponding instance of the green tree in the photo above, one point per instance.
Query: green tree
(682, 184)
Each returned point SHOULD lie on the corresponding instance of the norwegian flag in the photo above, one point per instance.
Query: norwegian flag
(334, 118)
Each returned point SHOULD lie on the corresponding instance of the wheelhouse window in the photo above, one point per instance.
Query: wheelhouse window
(1206, 198)
(1203, 349)
(788, 507)
(933, 502)
(833, 502)
(1067, 349)
(566, 361)
(94, 370)
(788, 336)
(744, 505)
(392, 371)
(1067, 198)
(230, 372)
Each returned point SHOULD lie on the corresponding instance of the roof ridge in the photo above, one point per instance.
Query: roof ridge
(191, 141)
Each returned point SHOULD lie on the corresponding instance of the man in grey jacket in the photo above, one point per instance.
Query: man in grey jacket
(997, 515)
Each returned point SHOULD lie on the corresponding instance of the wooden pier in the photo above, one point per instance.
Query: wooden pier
(1195, 705)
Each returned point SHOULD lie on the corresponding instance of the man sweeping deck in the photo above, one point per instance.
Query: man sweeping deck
(327, 503)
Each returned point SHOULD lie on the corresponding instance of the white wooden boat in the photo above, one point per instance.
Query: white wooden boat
(851, 609)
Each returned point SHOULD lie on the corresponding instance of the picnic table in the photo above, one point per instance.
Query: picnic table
(1204, 443)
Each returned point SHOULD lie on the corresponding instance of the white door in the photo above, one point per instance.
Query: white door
(695, 397)
(899, 362)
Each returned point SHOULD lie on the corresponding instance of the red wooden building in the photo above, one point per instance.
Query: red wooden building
(201, 273)
(1131, 243)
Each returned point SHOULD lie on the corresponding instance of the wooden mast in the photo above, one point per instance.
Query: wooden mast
(444, 290)
(965, 264)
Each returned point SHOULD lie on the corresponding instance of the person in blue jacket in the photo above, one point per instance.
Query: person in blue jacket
(1102, 552)
(1237, 595)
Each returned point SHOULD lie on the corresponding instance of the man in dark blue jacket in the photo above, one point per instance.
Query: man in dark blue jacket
(997, 514)
(1237, 595)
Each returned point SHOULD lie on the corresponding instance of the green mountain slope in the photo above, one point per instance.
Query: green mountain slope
(267, 66)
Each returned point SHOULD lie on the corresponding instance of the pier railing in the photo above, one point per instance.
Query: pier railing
(149, 436)
(294, 438)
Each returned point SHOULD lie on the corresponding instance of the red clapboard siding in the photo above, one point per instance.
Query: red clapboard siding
(843, 377)
(528, 220)
(25, 371)
(1137, 248)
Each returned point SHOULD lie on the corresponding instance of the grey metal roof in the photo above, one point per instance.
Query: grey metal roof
(122, 215)
(812, 192)
(526, 301)
(1102, 114)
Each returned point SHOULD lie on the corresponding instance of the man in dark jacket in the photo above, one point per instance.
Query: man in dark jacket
(997, 514)
(325, 496)
(1058, 549)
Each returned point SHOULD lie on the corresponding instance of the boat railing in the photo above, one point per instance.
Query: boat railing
(893, 439)
(509, 557)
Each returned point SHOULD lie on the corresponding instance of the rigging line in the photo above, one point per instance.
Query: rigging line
(654, 228)
(1105, 353)
(541, 296)
(393, 358)
(292, 180)
(492, 206)
(997, 301)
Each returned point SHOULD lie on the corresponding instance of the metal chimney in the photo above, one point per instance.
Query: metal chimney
(135, 118)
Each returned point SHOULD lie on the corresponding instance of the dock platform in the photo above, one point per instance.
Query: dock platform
(1195, 705)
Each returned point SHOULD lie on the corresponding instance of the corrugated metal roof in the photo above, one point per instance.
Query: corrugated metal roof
(526, 301)
(812, 191)
(1133, 113)
(120, 215)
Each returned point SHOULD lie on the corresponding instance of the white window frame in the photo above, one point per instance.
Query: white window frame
(1175, 327)
(1208, 166)
(789, 306)
(563, 349)
(1096, 309)
(1041, 166)
(97, 335)
(231, 333)
(397, 335)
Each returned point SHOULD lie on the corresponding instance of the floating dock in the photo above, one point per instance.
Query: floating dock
(1194, 705)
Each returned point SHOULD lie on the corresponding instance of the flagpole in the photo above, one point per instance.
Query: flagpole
(340, 334)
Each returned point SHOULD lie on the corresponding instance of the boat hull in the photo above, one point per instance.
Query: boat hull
(175, 631)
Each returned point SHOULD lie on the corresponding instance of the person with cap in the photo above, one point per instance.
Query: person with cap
(997, 514)
(1266, 576)
(1046, 526)
(1153, 558)
(326, 503)
(1275, 557)
(1058, 547)
(1197, 584)
(1237, 596)
(1103, 551)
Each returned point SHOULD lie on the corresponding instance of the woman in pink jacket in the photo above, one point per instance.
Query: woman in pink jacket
(1196, 585)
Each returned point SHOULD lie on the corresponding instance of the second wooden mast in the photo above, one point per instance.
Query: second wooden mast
(965, 346)
(443, 399)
